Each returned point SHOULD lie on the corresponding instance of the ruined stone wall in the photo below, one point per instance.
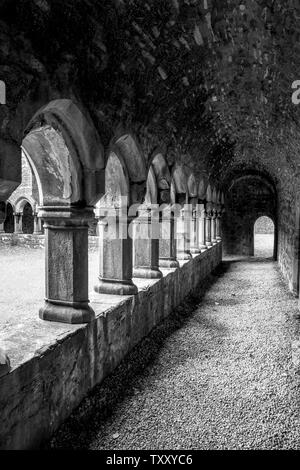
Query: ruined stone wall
(34, 241)
(288, 239)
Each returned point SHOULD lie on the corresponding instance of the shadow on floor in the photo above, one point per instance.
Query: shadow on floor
(247, 259)
(80, 428)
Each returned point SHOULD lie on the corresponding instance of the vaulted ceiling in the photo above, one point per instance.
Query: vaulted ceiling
(208, 80)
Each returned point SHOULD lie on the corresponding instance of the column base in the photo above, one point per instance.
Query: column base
(209, 244)
(219, 239)
(168, 263)
(147, 273)
(184, 256)
(4, 363)
(203, 248)
(66, 313)
(195, 251)
(115, 287)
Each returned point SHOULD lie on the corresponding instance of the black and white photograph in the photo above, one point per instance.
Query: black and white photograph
(149, 228)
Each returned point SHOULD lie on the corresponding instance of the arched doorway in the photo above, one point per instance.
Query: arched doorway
(27, 219)
(9, 220)
(264, 234)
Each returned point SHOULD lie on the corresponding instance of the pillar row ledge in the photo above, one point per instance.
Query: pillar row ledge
(66, 263)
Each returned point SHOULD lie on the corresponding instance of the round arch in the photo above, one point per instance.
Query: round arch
(21, 203)
(249, 195)
(264, 236)
(66, 155)
(127, 150)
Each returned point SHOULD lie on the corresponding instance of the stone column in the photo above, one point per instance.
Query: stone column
(115, 254)
(168, 242)
(214, 227)
(208, 227)
(202, 227)
(183, 234)
(18, 223)
(66, 252)
(195, 235)
(37, 225)
(146, 245)
(218, 225)
(2, 227)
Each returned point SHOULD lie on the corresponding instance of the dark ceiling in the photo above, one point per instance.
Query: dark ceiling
(210, 80)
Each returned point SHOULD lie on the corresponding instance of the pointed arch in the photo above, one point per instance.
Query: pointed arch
(65, 153)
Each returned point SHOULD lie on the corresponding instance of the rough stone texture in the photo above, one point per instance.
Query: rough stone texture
(41, 392)
(248, 198)
(220, 373)
(264, 225)
(27, 190)
(209, 82)
(4, 363)
(35, 241)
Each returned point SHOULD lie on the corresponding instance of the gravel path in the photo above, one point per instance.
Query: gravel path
(222, 373)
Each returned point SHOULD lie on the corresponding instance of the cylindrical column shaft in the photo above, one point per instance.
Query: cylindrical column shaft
(66, 252)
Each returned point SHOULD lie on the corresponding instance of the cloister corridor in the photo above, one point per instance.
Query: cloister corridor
(149, 224)
(222, 372)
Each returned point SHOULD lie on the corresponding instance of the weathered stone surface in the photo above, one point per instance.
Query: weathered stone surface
(38, 394)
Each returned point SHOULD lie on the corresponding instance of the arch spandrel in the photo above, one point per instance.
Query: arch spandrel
(65, 115)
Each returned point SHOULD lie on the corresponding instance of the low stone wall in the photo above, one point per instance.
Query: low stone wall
(39, 394)
(22, 239)
(34, 241)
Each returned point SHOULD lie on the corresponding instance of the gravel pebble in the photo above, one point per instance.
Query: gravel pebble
(206, 378)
